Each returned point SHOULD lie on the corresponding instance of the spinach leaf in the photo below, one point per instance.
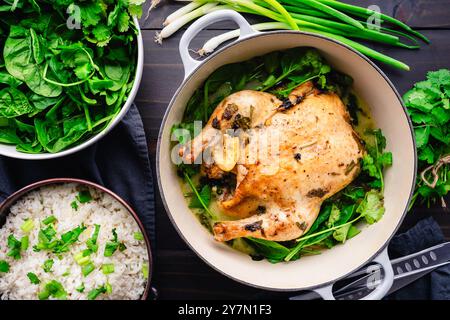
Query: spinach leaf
(271, 250)
(13, 103)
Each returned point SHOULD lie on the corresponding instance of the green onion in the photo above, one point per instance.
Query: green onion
(84, 196)
(74, 205)
(66, 273)
(47, 266)
(24, 243)
(108, 288)
(138, 236)
(289, 20)
(4, 266)
(53, 289)
(93, 294)
(87, 269)
(33, 278)
(27, 226)
(91, 243)
(49, 220)
(145, 270)
(110, 248)
(108, 268)
(332, 19)
(81, 288)
(81, 259)
(364, 12)
(333, 12)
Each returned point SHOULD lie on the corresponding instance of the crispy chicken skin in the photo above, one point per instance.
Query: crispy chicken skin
(318, 153)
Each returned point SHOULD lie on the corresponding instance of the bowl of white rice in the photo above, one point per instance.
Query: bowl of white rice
(70, 239)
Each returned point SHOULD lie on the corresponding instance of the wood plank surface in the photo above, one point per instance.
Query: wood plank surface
(180, 274)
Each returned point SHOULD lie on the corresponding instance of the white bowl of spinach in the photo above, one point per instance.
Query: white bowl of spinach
(68, 73)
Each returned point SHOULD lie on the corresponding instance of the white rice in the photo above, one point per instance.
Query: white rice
(127, 281)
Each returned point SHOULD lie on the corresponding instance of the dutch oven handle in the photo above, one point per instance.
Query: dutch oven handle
(379, 292)
(191, 64)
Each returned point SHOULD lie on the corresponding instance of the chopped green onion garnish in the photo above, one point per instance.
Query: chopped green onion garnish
(91, 243)
(74, 205)
(54, 289)
(108, 268)
(108, 287)
(81, 288)
(4, 266)
(24, 243)
(145, 270)
(87, 269)
(49, 220)
(110, 248)
(84, 196)
(138, 236)
(81, 259)
(33, 278)
(93, 294)
(113, 245)
(47, 266)
(27, 226)
(67, 273)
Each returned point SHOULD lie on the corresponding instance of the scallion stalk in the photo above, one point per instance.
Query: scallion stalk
(364, 12)
(333, 12)
(178, 23)
(183, 11)
(283, 12)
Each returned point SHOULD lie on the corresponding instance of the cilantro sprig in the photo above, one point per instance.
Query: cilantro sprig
(429, 108)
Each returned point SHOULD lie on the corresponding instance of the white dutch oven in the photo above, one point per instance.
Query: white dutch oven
(317, 272)
(10, 151)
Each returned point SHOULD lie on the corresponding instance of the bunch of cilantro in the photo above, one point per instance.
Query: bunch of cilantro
(278, 73)
(428, 105)
(66, 69)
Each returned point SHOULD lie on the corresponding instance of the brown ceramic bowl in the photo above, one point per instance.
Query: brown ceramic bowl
(4, 210)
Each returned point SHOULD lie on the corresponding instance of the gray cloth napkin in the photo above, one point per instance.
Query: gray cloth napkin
(119, 162)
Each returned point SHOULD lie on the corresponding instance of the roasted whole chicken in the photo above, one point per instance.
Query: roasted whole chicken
(310, 153)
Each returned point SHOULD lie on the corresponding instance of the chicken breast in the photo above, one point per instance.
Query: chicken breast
(312, 152)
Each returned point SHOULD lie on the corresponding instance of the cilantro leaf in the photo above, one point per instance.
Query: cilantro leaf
(341, 233)
(205, 195)
(335, 214)
(372, 207)
(91, 13)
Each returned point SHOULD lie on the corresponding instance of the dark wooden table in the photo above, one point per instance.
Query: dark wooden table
(179, 273)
